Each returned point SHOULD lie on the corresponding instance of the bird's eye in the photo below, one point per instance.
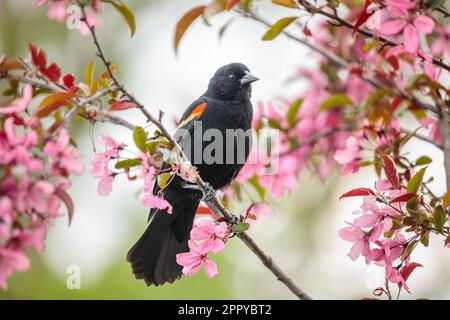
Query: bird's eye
(232, 77)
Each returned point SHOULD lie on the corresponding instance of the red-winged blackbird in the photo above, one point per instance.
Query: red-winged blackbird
(225, 105)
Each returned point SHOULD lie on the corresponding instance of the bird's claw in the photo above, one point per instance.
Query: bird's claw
(234, 220)
(208, 194)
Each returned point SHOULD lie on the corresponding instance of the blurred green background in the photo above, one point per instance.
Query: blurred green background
(301, 236)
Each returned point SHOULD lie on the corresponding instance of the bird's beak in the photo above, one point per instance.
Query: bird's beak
(248, 78)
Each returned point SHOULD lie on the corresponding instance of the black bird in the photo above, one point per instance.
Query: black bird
(225, 105)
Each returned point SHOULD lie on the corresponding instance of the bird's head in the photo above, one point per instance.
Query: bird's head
(231, 81)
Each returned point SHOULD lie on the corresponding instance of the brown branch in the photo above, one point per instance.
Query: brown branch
(445, 132)
(340, 62)
(79, 102)
(423, 138)
(316, 137)
(214, 203)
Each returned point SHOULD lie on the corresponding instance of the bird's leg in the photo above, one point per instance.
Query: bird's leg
(208, 195)
(234, 220)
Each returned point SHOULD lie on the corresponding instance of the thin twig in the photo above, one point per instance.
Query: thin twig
(316, 137)
(213, 204)
(83, 102)
(445, 132)
(423, 138)
(79, 102)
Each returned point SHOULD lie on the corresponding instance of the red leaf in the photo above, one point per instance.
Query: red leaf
(403, 198)
(363, 16)
(396, 102)
(49, 108)
(122, 105)
(232, 3)
(53, 73)
(307, 32)
(447, 241)
(407, 270)
(68, 202)
(38, 57)
(359, 192)
(69, 80)
(393, 61)
(205, 211)
(391, 171)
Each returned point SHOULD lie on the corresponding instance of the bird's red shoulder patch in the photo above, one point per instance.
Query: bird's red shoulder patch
(195, 114)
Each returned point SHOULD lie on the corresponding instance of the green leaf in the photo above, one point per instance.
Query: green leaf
(255, 184)
(423, 160)
(241, 227)
(285, 3)
(446, 200)
(335, 101)
(377, 95)
(126, 14)
(277, 28)
(184, 23)
(425, 239)
(439, 218)
(140, 138)
(434, 3)
(416, 181)
(293, 110)
(154, 144)
(163, 179)
(128, 163)
(274, 124)
(414, 186)
(407, 252)
(89, 74)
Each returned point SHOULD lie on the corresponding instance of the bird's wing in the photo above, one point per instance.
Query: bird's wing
(192, 113)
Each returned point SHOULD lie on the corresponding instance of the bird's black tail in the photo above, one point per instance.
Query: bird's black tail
(153, 257)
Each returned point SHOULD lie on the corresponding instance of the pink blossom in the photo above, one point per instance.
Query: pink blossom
(11, 260)
(434, 128)
(152, 201)
(349, 156)
(411, 28)
(105, 185)
(58, 10)
(6, 210)
(38, 195)
(193, 260)
(99, 165)
(32, 237)
(188, 172)
(361, 245)
(100, 160)
(20, 104)
(63, 155)
(441, 45)
(210, 234)
(286, 178)
(148, 172)
(93, 20)
(357, 89)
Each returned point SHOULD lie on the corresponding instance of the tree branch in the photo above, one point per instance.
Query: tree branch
(213, 204)
(316, 137)
(445, 132)
(423, 138)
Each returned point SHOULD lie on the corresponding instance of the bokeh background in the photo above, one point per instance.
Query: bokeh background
(302, 236)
